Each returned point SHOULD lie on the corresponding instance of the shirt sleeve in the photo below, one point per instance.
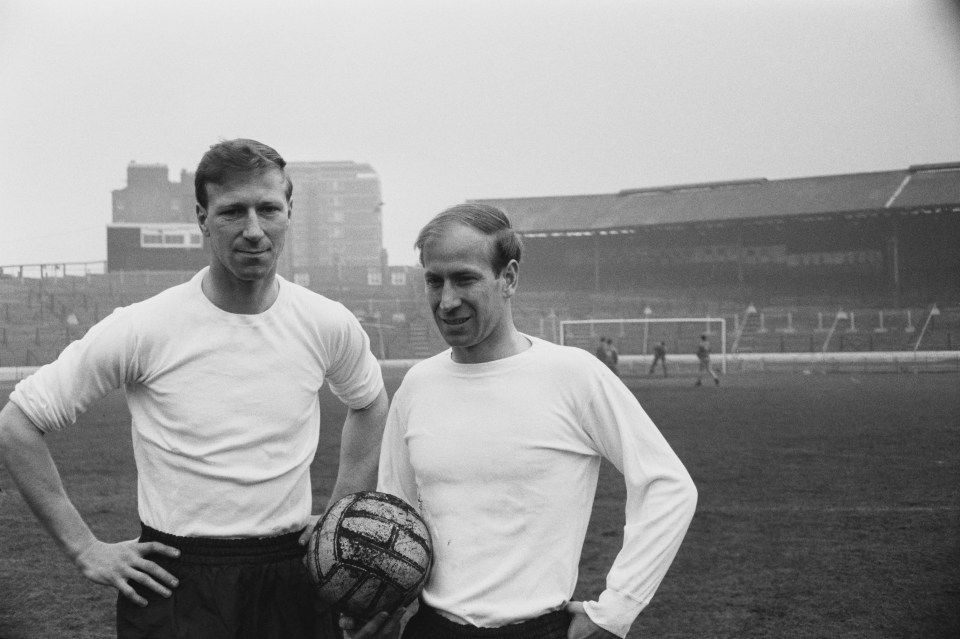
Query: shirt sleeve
(355, 376)
(396, 472)
(661, 499)
(87, 369)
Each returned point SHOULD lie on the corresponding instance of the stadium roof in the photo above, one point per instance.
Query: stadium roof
(932, 185)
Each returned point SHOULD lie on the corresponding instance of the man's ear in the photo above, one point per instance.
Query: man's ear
(510, 276)
(202, 220)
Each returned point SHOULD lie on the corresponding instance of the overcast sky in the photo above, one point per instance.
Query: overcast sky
(453, 100)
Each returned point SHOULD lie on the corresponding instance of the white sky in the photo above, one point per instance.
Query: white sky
(453, 100)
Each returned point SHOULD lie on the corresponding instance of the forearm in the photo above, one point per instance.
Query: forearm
(660, 502)
(360, 448)
(25, 454)
(652, 536)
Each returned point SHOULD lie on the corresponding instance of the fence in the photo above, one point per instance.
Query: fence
(40, 315)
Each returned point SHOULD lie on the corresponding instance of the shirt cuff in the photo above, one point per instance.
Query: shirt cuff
(614, 612)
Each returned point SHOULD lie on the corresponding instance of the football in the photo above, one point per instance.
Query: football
(370, 552)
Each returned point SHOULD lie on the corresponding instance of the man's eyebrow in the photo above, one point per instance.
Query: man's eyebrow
(460, 271)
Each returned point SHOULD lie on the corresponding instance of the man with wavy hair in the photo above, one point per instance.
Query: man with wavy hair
(221, 376)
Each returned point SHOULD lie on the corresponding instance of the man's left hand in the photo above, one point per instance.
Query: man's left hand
(308, 530)
(582, 627)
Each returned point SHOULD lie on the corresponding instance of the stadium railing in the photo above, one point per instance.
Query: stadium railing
(40, 316)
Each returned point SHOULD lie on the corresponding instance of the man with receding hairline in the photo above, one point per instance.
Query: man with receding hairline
(498, 442)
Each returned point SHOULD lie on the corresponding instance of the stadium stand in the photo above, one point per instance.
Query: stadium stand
(845, 263)
(41, 316)
(889, 235)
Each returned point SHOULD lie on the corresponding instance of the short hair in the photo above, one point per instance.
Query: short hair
(488, 220)
(230, 158)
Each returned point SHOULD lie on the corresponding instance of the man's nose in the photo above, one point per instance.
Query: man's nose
(449, 299)
(251, 226)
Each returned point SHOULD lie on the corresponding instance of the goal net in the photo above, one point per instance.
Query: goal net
(635, 339)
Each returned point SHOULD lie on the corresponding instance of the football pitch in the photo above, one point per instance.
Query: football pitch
(829, 507)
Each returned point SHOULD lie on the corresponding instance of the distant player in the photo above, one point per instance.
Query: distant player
(222, 375)
(499, 441)
(603, 352)
(703, 356)
(613, 357)
(608, 354)
(659, 356)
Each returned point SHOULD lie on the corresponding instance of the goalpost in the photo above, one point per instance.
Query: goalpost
(635, 336)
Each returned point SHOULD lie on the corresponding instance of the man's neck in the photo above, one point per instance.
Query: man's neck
(239, 296)
(513, 343)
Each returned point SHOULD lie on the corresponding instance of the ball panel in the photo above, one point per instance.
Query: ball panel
(342, 579)
(414, 548)
(364, 597)
(376, 529)
(324, 563)
(383, 562)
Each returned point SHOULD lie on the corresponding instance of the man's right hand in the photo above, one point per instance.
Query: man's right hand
(383, 626)
(28, 460)
(120, 563)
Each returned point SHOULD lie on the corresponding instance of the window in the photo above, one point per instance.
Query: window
(374, 278)
(171, 236)
(398, 278)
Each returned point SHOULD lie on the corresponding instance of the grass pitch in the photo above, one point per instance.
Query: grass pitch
(829, 507)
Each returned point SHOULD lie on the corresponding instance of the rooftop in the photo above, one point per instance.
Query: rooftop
(920, 186)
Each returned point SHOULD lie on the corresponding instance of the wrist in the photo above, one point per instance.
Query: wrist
(76, 548)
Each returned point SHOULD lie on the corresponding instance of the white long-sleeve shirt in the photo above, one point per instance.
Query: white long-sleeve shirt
(502, 459)
(225, 408)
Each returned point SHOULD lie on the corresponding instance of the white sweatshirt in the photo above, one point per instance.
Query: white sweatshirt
(225, 411)
(502, 459)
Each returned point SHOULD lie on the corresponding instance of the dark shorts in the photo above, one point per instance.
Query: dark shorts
(229, 589)
(429, 624)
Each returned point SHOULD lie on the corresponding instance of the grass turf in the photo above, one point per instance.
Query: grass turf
(829, 507)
